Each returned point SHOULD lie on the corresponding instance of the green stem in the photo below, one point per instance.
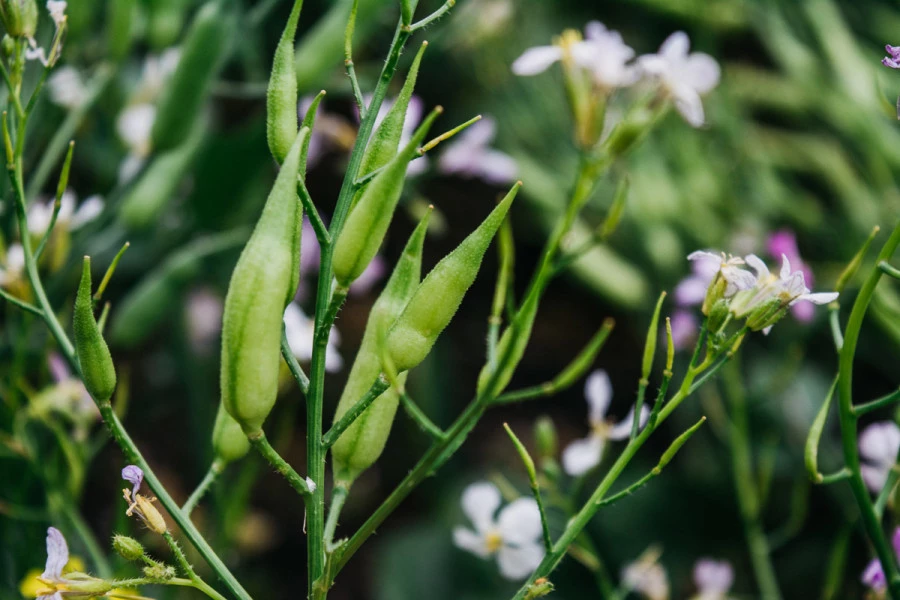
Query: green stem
(377, 388)
(189, 570)
(21, 303)
(214, 470)
(297, 482)
(338, 497)
(849, 434)
(864, 409)
(416, 414)
(748, 497)
(293, 365)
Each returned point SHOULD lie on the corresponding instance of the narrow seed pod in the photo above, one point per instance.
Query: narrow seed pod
(148, 304)
(369, 220)
(363, 442)
(158, 184)
(438, 297)
(263, 282)
(386, 139)
(281, 97)
(229, 441)
(93, 354)
(309, 121)
(201, 55)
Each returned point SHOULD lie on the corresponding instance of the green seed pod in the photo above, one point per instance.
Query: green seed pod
(158, 184)
(93, 354)
(20, 17)
(201, 55)
(127, 547)
(407, 8)
(363, 442)
(369, 220)
(121, 17)
(438, 297)
(148, 304)
(165, 21)
(309, 120)
(383, 145)
(228, 439)
(281, 97)
(263, 282)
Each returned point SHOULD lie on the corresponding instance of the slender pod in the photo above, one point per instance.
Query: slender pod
(201, 57)
(121, 17)
(98, 371)
(263, 283)
(309, 120)
(281, 96)
(438, 297)
(386, 139)
(369, 220)
(159, 183)
(363, 442)
(229, 441)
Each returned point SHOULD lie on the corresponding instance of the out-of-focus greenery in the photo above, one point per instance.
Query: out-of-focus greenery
(802, 134)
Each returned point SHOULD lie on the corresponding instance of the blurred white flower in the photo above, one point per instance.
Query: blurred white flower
(134, 126)
(582, 455)
(13, 266)
(40, 213)
(878, 447)
(514, 536)
(299, 330)
(684, 77)
(66, 87)
(602, 52)
(713, 579)
(57, 10)
(470, 154)
(204, 318)
(646, 576)
(737, 279)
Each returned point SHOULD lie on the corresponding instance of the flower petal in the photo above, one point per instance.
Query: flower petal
(622, 429)
(479, 502)
(819, 297)
(757, 264)
(676, 46)
(689, 105)
(598, 391)
(713, 577)
(57, 555)
(536, 60)
(701, 72)
(519, 522)
(873, 576)
(518, 563)
(470, 541)
(874, 476)
(691, 290)
(133, 475)
(880, 442)
(581, 456)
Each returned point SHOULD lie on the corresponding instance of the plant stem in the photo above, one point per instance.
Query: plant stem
(338, 497)
(297, 482)
(745, 486)
(849, 435)
(189, 570)
(214, 470)
(333, 434)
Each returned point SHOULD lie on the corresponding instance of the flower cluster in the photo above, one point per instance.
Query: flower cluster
(679, 74)
(759, 297)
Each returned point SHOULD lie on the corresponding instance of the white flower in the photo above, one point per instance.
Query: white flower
(57, 557)
(737, 279)
(299, 330)
(204, 318)
(602, 53)
(514, 535)
(582, 455)
(13, 266)
(66, 87)
(878, 446)
(685, 77)
(134, 125)
(57, 10)
(713, 579)
(40, 213)
(646, 576)
(470, 155)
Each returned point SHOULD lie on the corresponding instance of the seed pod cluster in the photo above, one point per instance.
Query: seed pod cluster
(438, 297)
(363, 442)
(263, 282)
(97, 369)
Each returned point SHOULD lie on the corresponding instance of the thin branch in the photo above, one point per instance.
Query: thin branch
(416, 414)
(863, 409)
(21, 303)
(293, 365)
(333, 434)
(315, 220)
(432, 17)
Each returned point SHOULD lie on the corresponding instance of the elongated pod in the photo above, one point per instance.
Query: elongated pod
(97, 369)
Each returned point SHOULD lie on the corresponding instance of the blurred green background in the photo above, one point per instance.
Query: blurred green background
(801, 134)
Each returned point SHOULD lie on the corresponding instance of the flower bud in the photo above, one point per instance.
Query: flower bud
(369, 220)
(20, 17)
(766, 315)
(407, 8)
(545, 438)
(201, 56)
(159, 571)
(8, 46)
(165, 21)
(438, 297)
(363, 442)
(717, 316)
(281, 96)
(85, 586)
(97, 368)
(127, 547)
(228, 439)
(263, 283)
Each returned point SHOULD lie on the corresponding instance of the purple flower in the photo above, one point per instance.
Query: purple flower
(893, 60)
(784, 243)
(692, 289)
(684, 329)
(133, 475)
(878, 447)
(713, 578)
(471, 156)
(873, 575)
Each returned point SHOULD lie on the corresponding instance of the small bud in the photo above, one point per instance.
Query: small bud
(766, 314)
(718, 316)
(159, 571)
(406, 11)
(127, 547)
(19, 17)
(8, 46)
(545, 438)
(540, 588)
